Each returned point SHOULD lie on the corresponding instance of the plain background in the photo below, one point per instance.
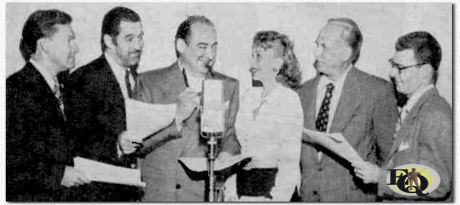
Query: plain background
(236, 23)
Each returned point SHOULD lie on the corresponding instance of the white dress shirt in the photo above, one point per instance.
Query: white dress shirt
(120, 73)
(269, 129)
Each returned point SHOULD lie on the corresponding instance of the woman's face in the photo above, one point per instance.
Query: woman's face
(266, 62)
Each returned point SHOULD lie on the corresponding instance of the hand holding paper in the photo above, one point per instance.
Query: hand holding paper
(367, 171)
(128, 143)
(187, 102)
(335, 142)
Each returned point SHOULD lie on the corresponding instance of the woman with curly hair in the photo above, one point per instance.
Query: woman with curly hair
(269, 124)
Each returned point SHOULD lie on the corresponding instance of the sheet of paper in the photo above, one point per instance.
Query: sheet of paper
(201, 164)
(102, 172)
(335, 142)
(144, 119)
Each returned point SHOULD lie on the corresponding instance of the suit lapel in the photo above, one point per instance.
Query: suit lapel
(309, 106)
(404, 133)
(174, 81)
(310, 114)
(347, 102)
(44, 89)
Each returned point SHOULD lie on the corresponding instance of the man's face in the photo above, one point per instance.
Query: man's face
(129, 43)
(407, 80)
(62, 47)
(201, 49)
(331, 49)
(266, 61)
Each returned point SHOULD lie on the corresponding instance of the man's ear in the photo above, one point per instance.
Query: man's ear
(181, 45)
(347, 52)
(42, 45)
(108, 41)
(426, 72)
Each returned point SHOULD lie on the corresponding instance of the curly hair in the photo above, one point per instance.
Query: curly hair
(289, 74)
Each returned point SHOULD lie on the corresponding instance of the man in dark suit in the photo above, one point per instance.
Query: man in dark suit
(96, 103)
(166, 178)
(342, 99)
(425, 130)
(38, 149)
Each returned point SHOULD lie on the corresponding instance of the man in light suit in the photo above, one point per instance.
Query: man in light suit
(38, 147)
(425, 129)
(166, 178)
(343, 99)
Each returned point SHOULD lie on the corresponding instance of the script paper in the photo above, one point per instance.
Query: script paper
(144, 119)
(201, 164)
(335, 142)
(102, 172)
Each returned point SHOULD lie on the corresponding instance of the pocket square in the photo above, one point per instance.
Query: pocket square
(403, 146)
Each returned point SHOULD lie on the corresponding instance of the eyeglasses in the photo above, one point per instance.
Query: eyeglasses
(401, 68)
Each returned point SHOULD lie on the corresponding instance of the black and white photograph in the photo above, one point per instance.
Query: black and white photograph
(228, 101)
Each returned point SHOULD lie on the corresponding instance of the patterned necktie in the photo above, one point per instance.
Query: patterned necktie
(133, 73)
(57, 93)
(323, 115)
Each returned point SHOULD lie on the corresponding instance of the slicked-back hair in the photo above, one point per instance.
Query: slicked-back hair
(426, 49)
(352, 35)
(40, 24)
(289, 74)
(184, 29)
(112, 20)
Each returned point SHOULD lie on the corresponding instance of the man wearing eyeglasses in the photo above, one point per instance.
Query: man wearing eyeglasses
(425, 133)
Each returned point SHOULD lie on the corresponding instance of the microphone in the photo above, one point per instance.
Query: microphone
(212, 114)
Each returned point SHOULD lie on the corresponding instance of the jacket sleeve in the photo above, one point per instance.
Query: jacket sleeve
(384, 121)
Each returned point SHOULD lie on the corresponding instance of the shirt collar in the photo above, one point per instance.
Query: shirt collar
(275, 93)
(323, 81)
(416, 96)
(49, 78)
(114, 65)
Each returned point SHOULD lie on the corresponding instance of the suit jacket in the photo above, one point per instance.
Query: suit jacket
(366, 115)
(37, 146)
(427, 133)
(95, 111)
(166, 179)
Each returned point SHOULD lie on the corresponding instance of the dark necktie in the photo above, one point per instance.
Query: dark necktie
(57, 93)
(323, 114)
(129, 87)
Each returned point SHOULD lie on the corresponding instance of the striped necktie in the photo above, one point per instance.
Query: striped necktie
(57, 93)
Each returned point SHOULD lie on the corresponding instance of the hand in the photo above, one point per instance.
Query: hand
(73, 177)
(367, 171)
(128, 144)
(187, 101)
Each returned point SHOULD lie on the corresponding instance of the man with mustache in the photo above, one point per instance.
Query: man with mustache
(196, 48)
(343, 99)
(96, 101)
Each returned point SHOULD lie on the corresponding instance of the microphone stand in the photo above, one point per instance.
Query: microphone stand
(212, 142)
